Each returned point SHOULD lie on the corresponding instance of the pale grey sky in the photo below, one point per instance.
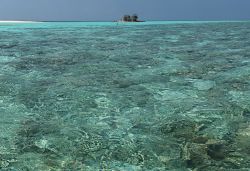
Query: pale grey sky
(106, 10)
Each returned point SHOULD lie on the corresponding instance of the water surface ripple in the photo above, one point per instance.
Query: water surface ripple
(126, 97)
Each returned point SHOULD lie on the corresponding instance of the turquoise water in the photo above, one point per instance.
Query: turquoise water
(150, 96)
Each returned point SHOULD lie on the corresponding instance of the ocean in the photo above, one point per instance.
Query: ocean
(151, 96)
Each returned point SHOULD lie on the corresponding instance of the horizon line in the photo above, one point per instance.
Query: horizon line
(225, 20)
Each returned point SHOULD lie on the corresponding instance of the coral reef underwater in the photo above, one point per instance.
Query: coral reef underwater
(125, 97)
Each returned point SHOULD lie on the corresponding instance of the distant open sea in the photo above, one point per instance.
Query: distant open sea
(107, 96)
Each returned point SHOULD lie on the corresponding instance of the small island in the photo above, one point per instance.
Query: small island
(128, 18)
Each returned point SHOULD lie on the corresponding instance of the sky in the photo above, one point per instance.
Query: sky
(109, 10)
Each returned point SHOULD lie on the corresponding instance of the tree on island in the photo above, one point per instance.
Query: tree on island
(134, 18)
(128, 18)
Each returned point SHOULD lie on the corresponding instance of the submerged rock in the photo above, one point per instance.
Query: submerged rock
(204, 84)
(175, 96)
(200, 156)
(243, 139)
(6, 59)
(42, 144)
(216, 149)
(195, 155)
(241, 98)
(179, 128)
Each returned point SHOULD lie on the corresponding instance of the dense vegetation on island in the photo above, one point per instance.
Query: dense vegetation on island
(128, 18)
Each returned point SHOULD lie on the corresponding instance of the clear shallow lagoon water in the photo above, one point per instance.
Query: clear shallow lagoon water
(150, 96)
